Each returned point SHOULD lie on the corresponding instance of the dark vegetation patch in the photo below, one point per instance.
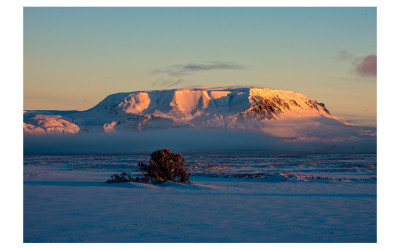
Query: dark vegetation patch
(164, 166)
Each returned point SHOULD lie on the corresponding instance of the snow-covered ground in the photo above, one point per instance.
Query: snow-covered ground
(241, 198)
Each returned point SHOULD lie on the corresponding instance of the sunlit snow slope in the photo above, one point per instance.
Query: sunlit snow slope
(275, 112)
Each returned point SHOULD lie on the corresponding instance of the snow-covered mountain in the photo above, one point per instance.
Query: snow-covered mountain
(275, 112)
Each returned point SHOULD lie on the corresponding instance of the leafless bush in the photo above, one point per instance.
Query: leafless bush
(165, 166)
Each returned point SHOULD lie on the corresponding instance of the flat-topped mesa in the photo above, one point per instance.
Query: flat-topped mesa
(210, 101)
(236, 108)
(147, 102)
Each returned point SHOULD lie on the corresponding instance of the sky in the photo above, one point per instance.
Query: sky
(75, 57)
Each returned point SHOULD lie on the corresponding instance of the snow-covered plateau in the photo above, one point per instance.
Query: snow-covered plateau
(271, 117)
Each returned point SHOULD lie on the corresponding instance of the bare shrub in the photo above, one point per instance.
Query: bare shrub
(122, 177)
(165, 166)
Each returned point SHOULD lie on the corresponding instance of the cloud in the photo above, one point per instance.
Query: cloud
(365, 67)
(172, 75)
(187, 69)
(167, 82)
(192, 141)
(343, 55)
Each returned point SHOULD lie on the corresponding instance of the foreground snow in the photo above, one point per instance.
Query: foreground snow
(64, 205)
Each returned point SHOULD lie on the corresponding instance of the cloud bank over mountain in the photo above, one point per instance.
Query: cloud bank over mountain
(190, 141)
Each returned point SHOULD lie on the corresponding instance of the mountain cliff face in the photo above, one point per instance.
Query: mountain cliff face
(275, 112)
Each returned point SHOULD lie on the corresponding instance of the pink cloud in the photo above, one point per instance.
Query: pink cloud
(366, 67)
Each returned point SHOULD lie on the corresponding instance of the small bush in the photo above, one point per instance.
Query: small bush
(165, 166)
(122, 177)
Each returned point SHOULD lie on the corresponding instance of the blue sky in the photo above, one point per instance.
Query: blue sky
(74, 57)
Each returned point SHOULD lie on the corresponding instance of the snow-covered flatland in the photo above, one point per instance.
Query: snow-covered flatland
(232, 198)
